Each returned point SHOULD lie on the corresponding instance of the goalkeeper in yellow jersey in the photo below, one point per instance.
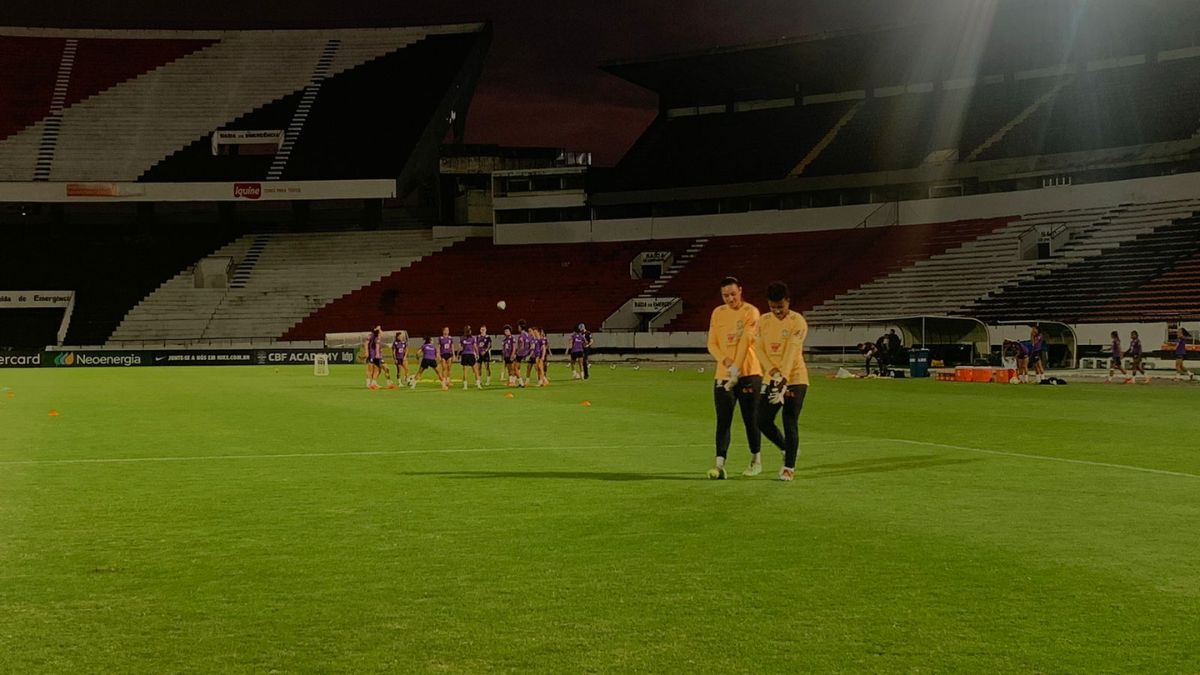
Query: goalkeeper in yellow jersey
(779, 343)
(739, 379)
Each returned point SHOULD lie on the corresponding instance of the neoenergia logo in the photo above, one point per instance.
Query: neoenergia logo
(97, 359)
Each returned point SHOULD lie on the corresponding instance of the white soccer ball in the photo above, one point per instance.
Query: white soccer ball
(700, 369)
(501, 305)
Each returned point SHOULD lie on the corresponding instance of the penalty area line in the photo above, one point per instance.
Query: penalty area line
(1045, 458)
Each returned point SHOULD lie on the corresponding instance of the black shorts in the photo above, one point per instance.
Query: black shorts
(378, 363)
(533, 360)
(468, 360)
(575, 356)
(428, 363)
(485, 357)
(447, 356)
(1114, 362)
(508, 360)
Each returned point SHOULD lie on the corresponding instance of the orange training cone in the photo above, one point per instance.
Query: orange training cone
(508, 394)
(53, 413)
(586, 404)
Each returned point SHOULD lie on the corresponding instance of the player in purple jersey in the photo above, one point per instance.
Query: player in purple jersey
(400, 356)
(374, 351)
(1037, 352)
(1135, 353)
(428, 361)
(1181, 345)
(484, 342)
(508, 352)
(446, 355)
(468, 349)
(1114, 358)
(540, 352)
(1018, 351)
(580, 340)
(524, 346)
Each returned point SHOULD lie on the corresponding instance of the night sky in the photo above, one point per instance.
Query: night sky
(541, 84)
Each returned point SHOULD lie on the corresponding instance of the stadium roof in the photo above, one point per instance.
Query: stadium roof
(1019, 35)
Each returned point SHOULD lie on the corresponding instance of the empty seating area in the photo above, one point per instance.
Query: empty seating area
(139, 98)
(555, 286)
(27, 90)
(1173, 294)
(815, 265)
(896, 128)
(1111, 108)
(109, 271)
(289, 276)
(888, 133)
(1086, 288)
(729, 147)
(943, 283)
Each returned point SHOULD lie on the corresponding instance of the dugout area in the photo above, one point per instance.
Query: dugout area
(952, 340)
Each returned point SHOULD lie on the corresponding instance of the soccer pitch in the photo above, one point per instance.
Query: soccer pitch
(260, 519)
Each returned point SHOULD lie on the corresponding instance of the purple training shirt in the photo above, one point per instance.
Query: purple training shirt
(466, 345)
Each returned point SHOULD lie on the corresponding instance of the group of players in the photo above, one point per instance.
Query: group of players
(761, 370)
(527, 346)
(1136, 355)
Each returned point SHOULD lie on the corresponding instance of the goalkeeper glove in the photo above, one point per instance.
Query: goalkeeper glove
(734, 373)
(777, 389)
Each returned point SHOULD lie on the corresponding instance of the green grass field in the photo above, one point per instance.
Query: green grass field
(261, 520)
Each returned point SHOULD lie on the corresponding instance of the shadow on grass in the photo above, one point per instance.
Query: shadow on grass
(878, 465)
(564, 475)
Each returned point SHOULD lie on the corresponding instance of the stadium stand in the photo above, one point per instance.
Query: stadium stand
(1171, 294)
(141, 105)
(960, 280)
(727, 147)
(816, 265)
(290, 276)
(1024, 95)
(1112, 108)
(1134, 246)
(555, 286)
(110, 271)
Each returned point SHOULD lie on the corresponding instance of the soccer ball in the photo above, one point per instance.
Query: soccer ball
(501, 305)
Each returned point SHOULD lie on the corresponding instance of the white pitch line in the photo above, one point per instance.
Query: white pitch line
(1045, 458)
(361, 453)
(294, 455)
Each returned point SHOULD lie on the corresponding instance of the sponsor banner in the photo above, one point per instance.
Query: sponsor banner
(248, 357)
(270, 137)
(90, 359)
(203, 357)
(35, 299)
(276, 357)
(105, 190)
(21, 359)
(651, 305)
(194, 357)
